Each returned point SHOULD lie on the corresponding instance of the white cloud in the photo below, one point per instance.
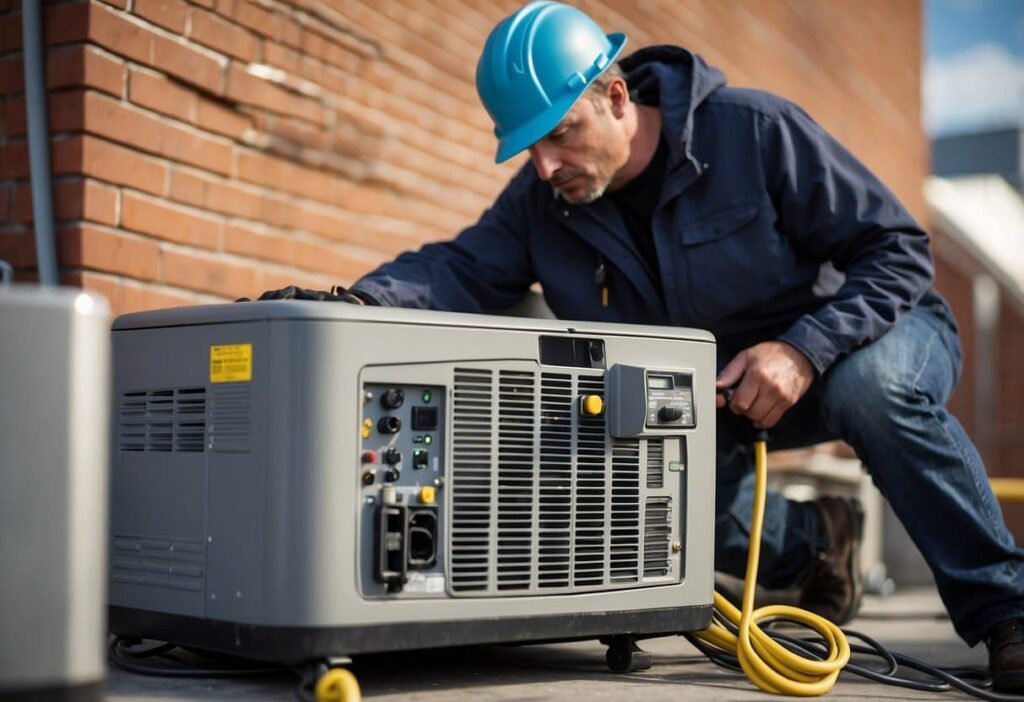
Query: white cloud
(978, 88)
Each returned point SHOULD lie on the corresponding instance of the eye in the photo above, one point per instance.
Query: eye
(560, 132)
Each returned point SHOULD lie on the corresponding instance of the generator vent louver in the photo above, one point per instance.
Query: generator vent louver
(657, 535)
(230, 429)
(655, 464)
(163, 420)
(542, 500)
(472, 479)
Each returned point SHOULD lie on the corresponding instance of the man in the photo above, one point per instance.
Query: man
(655, 194)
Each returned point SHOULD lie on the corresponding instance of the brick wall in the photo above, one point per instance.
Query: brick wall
(210, 149)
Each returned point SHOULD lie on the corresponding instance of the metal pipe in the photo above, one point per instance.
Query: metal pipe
(38, 140)
(6, 273)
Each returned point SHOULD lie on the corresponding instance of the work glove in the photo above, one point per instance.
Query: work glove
(293, 292)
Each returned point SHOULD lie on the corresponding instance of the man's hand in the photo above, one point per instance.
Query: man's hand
(293, 292)
(772, 377)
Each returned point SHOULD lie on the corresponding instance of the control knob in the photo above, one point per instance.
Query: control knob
(670, 414)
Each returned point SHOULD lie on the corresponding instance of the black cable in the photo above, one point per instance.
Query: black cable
(129, 661)
(971, 681)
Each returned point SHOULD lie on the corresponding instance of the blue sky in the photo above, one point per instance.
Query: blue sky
(974, 65)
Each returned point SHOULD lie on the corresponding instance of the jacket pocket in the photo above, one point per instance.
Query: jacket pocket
(719, 225)
(732, 259)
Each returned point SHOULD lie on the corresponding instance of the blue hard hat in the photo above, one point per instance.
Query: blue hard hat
(535, 65)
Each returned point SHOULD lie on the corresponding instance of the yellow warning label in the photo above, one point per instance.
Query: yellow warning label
(231, 364)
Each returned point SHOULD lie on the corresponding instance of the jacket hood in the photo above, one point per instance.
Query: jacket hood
(677, 82)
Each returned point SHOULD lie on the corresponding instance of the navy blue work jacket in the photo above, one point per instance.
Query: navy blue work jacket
(766, 228)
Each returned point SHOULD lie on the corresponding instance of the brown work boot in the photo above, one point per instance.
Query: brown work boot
(834, 585)
(1005, 643)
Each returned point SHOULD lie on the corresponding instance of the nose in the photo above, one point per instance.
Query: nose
(545, 160)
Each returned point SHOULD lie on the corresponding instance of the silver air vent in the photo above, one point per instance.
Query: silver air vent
(542, 500)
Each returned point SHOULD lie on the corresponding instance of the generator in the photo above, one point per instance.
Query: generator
(296, 480)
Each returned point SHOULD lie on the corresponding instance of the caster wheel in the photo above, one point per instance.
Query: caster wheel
(337, 685)
(628, 659)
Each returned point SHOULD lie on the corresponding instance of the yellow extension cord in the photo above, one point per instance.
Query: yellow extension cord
(768, 664)
(337, 685)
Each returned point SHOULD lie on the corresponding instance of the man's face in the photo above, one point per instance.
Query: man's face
(581, 156)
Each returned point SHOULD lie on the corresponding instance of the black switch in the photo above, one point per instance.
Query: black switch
(392, 456)
(670, 414)
(424, 418)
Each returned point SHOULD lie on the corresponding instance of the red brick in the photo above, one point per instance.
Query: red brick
(108, 162)
(112, 31)
(12, 76)
(14, 160)
(281, 56)
(214, 117)
(156, 93)
(188, 188)
(120, 4)
(314, 255)
(137, 297)
(210, 30)
(280, 174)
(129, 125)
(13, 116)
(215, 195)
(261, 244)
(169, 14)
(18, 248)
(6, 204)
(250, 15)
(188, 64)
(251, 90)
(10, 33)
(73, 200)
(67, 111)
(189, 147)
(150, 216)
(122, 122)
(84, 66)
(207, 274)
(291, 32)
(96, 248)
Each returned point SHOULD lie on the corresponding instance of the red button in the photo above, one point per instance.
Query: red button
(369, 456)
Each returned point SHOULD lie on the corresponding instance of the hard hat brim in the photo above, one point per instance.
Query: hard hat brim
(535, 129)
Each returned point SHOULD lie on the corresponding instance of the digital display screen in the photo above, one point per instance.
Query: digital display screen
(659, 382)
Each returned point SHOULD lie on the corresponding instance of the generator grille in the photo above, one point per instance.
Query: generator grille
(163, 420)
(542, 500)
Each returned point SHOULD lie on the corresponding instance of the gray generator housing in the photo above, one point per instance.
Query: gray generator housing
(298, 479)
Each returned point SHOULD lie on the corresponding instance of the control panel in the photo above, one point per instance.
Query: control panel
(670, 400)
(401, 483)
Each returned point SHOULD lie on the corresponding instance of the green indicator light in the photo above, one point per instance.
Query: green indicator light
(427, 439)
(426, 396)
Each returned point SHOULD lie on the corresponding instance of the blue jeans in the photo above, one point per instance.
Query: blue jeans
(886, 400)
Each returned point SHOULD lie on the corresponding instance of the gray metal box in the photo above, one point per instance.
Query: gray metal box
(299, 479)
(54, 426)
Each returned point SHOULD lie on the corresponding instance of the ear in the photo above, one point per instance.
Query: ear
(618, 95)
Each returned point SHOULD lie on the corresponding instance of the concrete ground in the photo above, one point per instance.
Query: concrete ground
(909, 622)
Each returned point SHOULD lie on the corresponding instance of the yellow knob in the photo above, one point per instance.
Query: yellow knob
(427, 495)
(365, 429)
(592, 405)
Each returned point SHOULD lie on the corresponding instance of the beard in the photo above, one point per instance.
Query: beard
(589, 188)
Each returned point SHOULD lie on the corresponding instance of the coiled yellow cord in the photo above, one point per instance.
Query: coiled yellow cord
(769, 665)
(337, 685)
